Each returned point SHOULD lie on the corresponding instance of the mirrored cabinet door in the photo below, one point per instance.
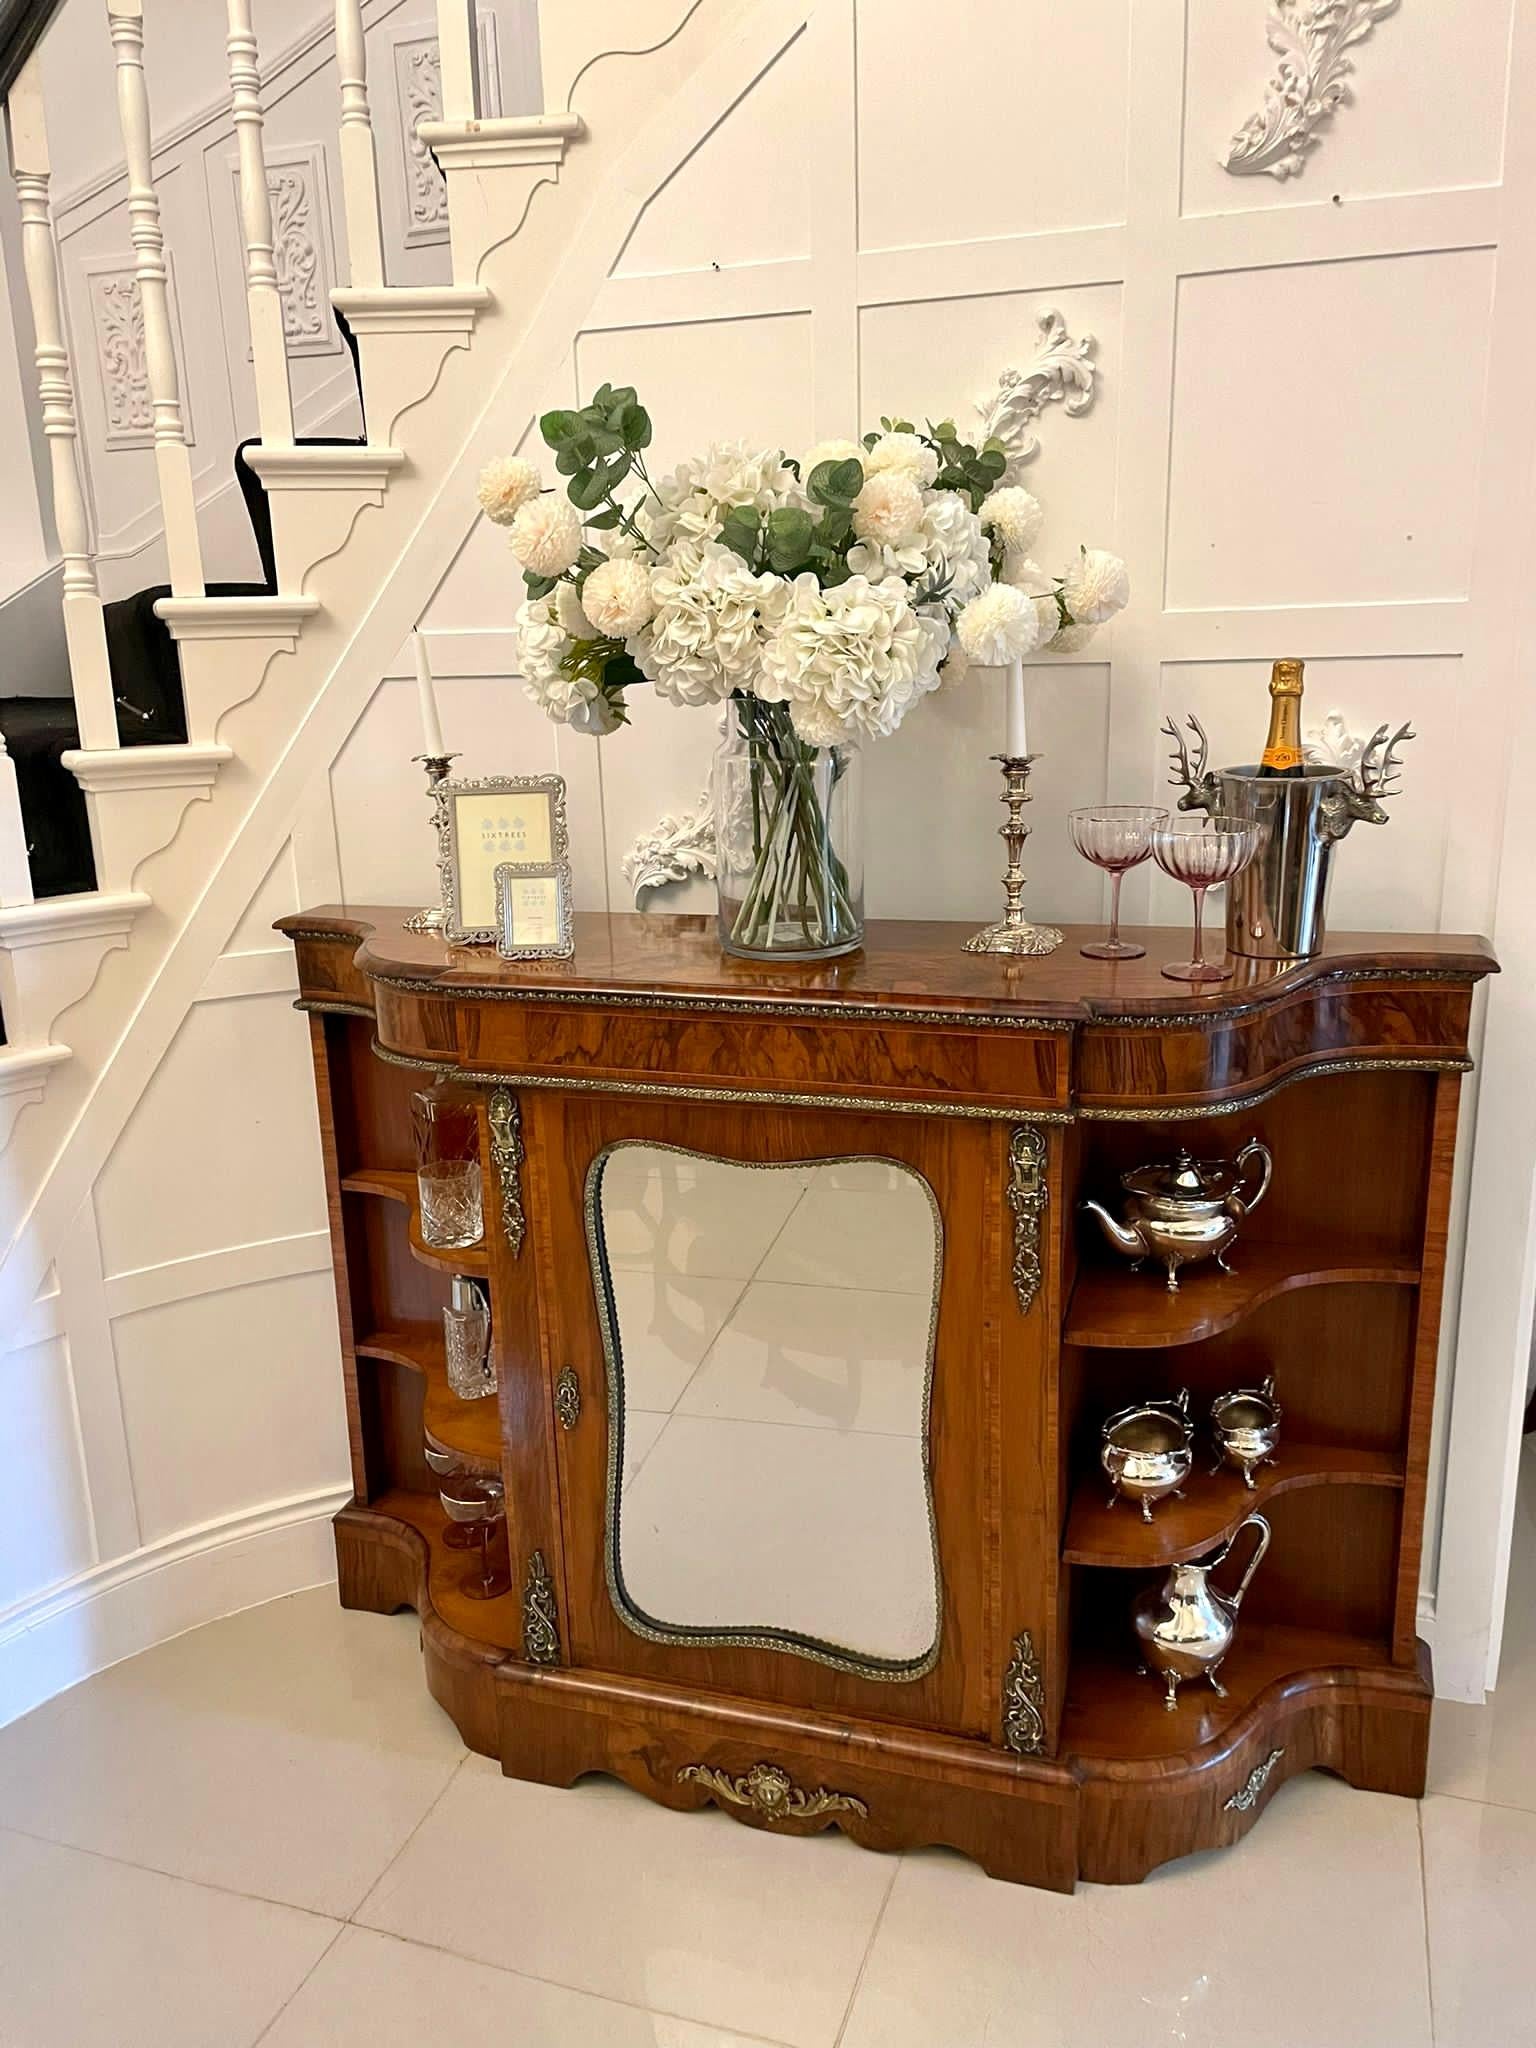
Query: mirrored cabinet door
(768, 1333)
(779, 1485)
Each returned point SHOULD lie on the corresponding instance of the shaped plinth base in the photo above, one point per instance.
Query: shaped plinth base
(1034, 940)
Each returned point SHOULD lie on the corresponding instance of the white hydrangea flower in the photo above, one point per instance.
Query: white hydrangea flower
(1014, 515)
(901, 455)
(506, 487)
(999, 626)
(830, 451)
(1096, 586)
(570, 613)
(542, 644)
(888, 510)
(850, 661)
(617, 596)
(691, 503)
(596, 718)
(947, 556)
(546, 536)
(706, 635)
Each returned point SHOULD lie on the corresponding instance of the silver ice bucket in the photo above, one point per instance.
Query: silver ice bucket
(1277, 906)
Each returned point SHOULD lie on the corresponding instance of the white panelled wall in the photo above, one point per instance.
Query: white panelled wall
(1312, 435)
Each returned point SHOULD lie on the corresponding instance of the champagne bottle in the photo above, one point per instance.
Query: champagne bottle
(1282, 750)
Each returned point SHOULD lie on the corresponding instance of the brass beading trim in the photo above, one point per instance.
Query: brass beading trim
(1160, 1113)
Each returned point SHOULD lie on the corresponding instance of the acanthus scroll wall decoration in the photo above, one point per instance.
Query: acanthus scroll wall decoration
(1311, 82)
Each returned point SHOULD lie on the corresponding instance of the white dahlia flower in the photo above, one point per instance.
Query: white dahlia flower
(706, 635)
(506, 487)
(889, 510)
(1014, 515)
(1000, 626)
(617, 597)
(570, 613)
(901, 455)
(849, 661)
(830, 451)
(1095, 587)
(546, 536)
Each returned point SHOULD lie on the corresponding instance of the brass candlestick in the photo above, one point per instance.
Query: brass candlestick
(1015, 933)
(437, 766)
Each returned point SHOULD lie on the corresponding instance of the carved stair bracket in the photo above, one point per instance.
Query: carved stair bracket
(1024, 1699)
(568, 1399)
(507, 1157)
(771, 1792)
(1027, 1197)
(541, 1620)
(1248, 1798)
(1061, 372)
(1311, 82)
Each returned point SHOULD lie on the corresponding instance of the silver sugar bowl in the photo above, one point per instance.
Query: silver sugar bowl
(1245, 1427)
(1148, 1450)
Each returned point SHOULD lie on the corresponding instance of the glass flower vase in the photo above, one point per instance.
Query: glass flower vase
(788, 839)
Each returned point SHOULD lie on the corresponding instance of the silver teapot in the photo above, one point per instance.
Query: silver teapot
(1186, 1625)
(1186, 1209)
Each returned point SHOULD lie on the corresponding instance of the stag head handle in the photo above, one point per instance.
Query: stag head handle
(1362, 798)
(1202, 792)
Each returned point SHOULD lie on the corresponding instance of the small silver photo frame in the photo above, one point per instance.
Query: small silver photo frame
(533, 910)
(484, 824)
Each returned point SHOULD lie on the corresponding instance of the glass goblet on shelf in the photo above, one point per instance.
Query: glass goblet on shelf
(1115, 837)
(1203, 853)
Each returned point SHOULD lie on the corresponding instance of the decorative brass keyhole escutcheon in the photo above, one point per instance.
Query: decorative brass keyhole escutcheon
(568, 1399)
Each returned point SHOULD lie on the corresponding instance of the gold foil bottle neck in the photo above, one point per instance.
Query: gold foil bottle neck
(1285, 678)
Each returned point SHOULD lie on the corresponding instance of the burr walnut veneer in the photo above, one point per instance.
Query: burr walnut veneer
(1012, 1088)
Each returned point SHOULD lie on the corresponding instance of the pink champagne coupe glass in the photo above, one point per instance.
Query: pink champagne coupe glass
(1204, 853)
(1116, 837)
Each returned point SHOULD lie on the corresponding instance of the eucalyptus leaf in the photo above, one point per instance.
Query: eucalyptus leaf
(789, 537)
(558, 426)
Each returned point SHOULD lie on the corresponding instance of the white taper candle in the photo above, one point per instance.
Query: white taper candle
(431, 725)
(1016, 745)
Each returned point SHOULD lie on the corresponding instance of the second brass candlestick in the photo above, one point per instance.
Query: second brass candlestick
(1014, 933)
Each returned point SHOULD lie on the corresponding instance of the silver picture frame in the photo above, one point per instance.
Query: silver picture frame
(512, 944)
(486, 821)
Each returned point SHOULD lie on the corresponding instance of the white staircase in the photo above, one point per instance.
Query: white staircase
(93, 987)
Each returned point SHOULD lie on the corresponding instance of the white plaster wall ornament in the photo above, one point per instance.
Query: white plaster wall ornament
(1311, 82)
(677, 846)
(418, 98)
(1333, 745)
(301, 247)
(1061, 372)
(122, 358)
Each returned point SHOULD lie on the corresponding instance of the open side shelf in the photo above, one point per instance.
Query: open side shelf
(1114, 1308)
(1113, 1713)
(470, 1429)
(1215, 1504)
(497, 1622)
(392, 1185)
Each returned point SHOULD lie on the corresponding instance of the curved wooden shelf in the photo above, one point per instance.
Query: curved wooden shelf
(1215, 1504)
(479, 1624)
(470, 1429)
(1113, 1308)
(391, 1185)
(1116, 1717)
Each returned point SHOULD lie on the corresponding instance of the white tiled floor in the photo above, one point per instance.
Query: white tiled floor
(265, 1832)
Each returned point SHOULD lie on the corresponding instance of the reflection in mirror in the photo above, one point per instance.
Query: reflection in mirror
(769, 1332)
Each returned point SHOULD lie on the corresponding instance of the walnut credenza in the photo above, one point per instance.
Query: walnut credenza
(1012, 1089)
